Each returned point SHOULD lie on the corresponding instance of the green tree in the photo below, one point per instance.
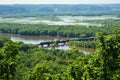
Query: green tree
(40, 72)
(104, 64)
(109, 51)
(8, 60)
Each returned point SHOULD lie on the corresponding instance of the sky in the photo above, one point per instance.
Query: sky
(59, 1)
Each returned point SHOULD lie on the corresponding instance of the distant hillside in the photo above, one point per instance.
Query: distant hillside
(7, 9)
(57, 9)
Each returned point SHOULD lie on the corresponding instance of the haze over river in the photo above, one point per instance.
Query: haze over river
(64, 20)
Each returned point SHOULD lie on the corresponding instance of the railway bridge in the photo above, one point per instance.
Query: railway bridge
(49, 43)
(64, 42)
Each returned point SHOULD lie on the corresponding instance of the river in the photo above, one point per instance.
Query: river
(38, 39)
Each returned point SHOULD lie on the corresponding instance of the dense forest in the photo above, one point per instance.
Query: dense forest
(72, 31)
(19, 61)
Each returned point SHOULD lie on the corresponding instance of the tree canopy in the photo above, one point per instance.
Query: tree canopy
(19, 61)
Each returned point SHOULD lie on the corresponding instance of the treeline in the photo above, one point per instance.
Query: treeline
(66, 13)
(84, 44)
(56, 30)
(59, 10)
(20, 61)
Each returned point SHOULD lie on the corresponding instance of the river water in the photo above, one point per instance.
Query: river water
(39, 39)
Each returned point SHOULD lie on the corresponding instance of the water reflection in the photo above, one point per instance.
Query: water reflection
(65, 47)
(27, 41)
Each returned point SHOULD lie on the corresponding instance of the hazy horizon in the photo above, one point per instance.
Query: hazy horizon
(59, 2)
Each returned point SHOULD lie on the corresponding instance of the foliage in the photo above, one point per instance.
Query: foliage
(104, 64)
(85, 44)
(40, 72)
(7, 61)
(57, 30)
(33, 63)
(109, 48)
(3, 40)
